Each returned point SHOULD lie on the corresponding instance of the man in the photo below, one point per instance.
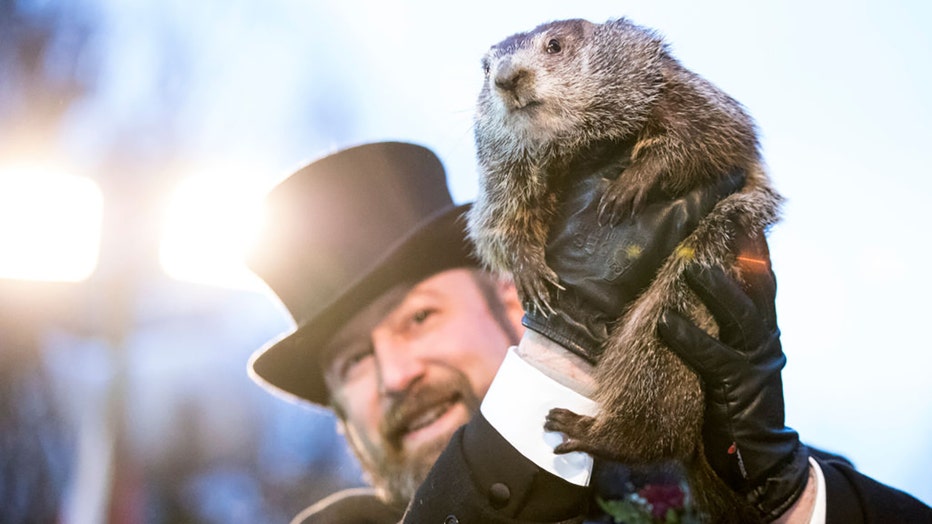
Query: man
(402, 335)
(371, 233)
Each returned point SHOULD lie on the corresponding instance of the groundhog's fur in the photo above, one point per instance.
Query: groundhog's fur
(555, 97)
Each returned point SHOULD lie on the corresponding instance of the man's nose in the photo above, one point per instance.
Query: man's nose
(398, 364)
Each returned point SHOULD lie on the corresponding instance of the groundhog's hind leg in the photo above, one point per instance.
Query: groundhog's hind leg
(576, 429)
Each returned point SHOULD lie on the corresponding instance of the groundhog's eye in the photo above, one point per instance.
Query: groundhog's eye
(485, 66)
(553, 46)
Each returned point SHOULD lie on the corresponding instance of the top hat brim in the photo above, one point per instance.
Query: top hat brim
(291, 365)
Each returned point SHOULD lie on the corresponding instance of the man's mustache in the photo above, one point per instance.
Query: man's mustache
(404, 408)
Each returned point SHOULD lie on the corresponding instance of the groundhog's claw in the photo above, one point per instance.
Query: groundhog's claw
(619, 201)
(534, 292)
(533, 281)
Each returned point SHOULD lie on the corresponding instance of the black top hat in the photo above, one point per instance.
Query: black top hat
(342, 231)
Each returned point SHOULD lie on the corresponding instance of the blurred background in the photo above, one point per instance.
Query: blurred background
(137, 139)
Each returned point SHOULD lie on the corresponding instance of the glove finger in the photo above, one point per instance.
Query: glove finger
(740, 324)
(759, 282)
(703, 353)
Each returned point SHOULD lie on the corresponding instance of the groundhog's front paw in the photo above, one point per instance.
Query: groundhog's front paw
(533, 283)
(534, 294)
(575, 428)
(620, 200)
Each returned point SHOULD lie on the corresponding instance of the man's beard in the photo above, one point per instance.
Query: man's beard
(397, 472)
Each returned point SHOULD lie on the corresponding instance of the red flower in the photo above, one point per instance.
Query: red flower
(662, 497)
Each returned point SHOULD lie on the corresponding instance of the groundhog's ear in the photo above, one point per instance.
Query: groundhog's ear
(619, 23)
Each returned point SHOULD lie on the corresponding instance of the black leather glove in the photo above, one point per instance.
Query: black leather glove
(604, 268)
(745, 438)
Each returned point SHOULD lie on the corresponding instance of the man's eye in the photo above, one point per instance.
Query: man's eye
(420, 316)
(348, 363)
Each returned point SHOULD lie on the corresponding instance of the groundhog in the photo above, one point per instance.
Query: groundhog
(554, 101)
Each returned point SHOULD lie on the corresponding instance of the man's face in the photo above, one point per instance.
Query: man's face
(412, 367)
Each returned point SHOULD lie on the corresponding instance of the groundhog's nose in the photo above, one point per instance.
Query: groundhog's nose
(508, 76)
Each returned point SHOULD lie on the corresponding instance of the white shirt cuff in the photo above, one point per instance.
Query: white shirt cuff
(818, 512)
(517, 404)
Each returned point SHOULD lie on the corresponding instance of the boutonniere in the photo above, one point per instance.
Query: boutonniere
(652, 504)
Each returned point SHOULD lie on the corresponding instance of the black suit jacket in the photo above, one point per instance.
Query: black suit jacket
(350, 506)
(481, 478)
(472, 477)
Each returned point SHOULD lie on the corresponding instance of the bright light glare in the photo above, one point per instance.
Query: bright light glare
(209, 225)
(50, 225)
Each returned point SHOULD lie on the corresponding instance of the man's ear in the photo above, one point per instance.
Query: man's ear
(339, 414)
(509, 297)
